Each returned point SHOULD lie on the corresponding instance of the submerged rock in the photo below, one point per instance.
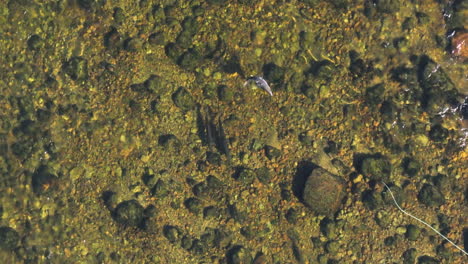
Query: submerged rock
(409, 256)
(194, 205)
(9, 238)
(35, 42)
(375, 167)
(438, 133)
(183, 99)
(155, 83)
(172, 233)
(133, 44)
(112, 39)
(410, 166)
(44, 181)
(157, 39)
(129, 213)
(91, 4)
(323, 192)
(438, 89)
(76, 68)
(173, 51)
(427, 260)
(374, 94)
(245, 175)
(273, 73)
(169, 142)
(431, 196)
(239, 254)
(190, 59)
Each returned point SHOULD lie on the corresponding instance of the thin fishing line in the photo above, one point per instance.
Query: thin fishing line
(421, 221)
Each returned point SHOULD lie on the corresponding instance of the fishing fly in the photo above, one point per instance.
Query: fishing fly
(259, 82)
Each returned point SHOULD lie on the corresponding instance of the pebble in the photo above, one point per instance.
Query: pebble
(401, 230)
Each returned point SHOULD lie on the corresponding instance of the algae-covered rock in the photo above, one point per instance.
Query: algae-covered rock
(431, 196)
(191, 25)
(169, 142)
(405, 75)
(263, 175)
(91, 4)
(158, 14)
(329, 228)
(272, 152)
(112, 39)
(410, 166)
(186, 242)
(173, 51)
(239, 255)
(409, 256)
(76, 68)
(213, 158)
(375, 94)
(225, 93)
(184, 39)
(172, 233)
(376, 167)
(194, 205)
(439, 90)
(160, 189)
(387, 6)
(389, 111)
(183, 99)
(43, 180)
(119, 15)
(412, 232)
(129, 213)
(292, 215)
(133, 44)
(211, 188)
(35, 42)
(443, 183)
(273, 73)
(432, 77)
(427, 260)
(323, 192)
(438, 133)
(157, 39)
(190, 59)
(332, 247)
(9, 238)
(245, 175)
(372, 200)
(155, 84)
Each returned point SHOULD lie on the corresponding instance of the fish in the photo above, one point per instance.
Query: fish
(206, 126)
(211, 134)
(223, 142)
(259, 82)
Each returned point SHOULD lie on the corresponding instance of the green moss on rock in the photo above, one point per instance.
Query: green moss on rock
(76, 68)
(431, 196)
(183, 99)
(129, 213)
(323, 192)
(376, 167)
(9, 238)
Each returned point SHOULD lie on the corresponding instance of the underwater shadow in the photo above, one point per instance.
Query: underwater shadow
(304, 169)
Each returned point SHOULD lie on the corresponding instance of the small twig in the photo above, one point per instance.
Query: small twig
(421, 221)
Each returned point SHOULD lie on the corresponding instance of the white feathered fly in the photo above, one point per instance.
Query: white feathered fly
(259, 82)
